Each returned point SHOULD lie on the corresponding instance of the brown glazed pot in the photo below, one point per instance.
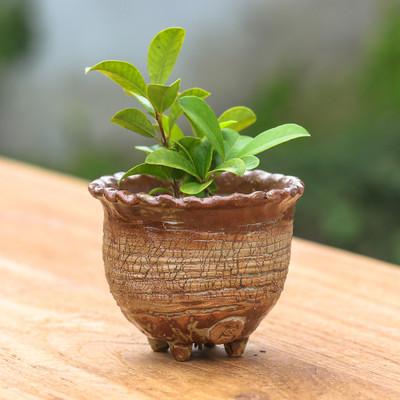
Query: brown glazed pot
(201, 271)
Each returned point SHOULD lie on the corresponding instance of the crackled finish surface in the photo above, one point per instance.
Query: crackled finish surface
(188, 272)
(196, 287)
(333, 335)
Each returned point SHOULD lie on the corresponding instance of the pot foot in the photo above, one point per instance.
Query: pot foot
(236, 348)
(181, 352)
(157, 345)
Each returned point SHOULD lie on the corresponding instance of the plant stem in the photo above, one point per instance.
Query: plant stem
(174, 184)
(175, 188)
(160, 125)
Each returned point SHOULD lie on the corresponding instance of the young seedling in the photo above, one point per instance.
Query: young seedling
(188, 164)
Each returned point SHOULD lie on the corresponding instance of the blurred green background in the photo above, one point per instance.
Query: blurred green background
(333, 67)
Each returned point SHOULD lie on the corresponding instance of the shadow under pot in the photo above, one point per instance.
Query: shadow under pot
(201, 271)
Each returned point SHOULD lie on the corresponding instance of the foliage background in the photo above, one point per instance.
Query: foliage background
(333, 67)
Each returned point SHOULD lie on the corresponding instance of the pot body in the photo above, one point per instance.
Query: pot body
(203, 275)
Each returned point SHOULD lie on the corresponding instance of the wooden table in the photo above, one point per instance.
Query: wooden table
(334, 334)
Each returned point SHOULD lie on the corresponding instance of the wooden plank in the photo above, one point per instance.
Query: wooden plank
(334, 334)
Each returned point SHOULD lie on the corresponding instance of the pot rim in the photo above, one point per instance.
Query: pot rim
(278, 188)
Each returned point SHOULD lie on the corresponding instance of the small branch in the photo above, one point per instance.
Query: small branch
(175, 188)
(174, 184)
(160, 125)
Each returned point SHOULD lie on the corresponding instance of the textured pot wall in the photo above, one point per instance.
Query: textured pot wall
(179, 272)
(202, 271)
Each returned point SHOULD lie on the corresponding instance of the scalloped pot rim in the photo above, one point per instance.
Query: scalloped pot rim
(253, 188)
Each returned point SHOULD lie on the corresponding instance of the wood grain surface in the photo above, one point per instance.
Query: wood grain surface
(334, 334)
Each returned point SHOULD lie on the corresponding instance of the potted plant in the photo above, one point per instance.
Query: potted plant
(196, 241)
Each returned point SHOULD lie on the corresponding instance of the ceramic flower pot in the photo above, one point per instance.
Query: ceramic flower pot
(201, 271)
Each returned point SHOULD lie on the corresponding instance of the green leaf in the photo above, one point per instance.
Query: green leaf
(134, 120)
(227, 124)
(272, 138)
(196, 91)
(234, 142)
(230, 137)
(172, 159)
(212, 189)
(194, 187)
(163, 52)
(175, 134)
(157, 171)
(165, 122)
(144, 102)
(148, 149)
(159, 190)
(199, 152)
(176, 110)
(162, 96)
(175, 113)
(243, 115)
(251, 162)
(122, 73)
(234, 165)
(203, 120)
